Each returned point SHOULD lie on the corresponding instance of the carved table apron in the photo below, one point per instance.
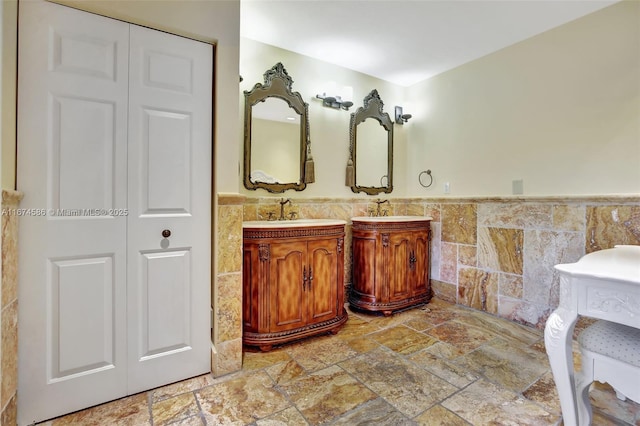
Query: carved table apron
(605, 285)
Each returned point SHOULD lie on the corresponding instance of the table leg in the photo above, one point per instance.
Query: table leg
(583, 384)
(558, 336)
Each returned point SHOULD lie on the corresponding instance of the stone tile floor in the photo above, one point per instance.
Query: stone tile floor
(440, 364)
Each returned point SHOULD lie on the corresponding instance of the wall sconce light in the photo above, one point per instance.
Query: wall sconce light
(400, 117)
(335, 102)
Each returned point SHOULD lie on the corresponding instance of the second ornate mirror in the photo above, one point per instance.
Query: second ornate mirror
(370, 166)
(277, 150)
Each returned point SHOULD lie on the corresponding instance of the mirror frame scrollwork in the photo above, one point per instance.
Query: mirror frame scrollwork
(373, 108)
(277, 84)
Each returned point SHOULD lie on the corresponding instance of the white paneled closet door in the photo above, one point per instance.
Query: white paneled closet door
(169, 192)
(114, 147)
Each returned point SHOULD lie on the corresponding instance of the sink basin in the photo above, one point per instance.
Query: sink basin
(256, 224)
(390, 218)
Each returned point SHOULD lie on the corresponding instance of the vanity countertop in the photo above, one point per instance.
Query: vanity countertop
(390, 218)
(265, 224)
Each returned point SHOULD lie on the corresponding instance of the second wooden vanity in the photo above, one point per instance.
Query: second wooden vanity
(293, 280)
(390, 262)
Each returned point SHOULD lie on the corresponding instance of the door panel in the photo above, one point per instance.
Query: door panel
(72, 148)
(73, 53)
(322, 283)
(287, 298)
(169, 70)
(399, 246)
(170, 111)
(420, 269)
(251, 295)
(91, 278)
(82, 129)
(166, 162)
(364, 268)
(165, 317)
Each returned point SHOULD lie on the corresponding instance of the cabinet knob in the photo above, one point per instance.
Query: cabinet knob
(166, 233)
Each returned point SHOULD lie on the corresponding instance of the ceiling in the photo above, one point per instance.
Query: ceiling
(404, 41)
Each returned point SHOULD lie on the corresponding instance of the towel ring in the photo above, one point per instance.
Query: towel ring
(428, 172)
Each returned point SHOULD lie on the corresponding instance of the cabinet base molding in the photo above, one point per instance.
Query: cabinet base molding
(266, 341)
(358, 301)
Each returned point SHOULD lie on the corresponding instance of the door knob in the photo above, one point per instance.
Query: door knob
(166, 233)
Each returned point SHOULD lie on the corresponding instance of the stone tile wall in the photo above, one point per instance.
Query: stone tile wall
(9, 311)
(494, 254)
(498, 255)
(226, 293)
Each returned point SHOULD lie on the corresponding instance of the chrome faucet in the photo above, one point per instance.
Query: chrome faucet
(282, 204)
(379, 203)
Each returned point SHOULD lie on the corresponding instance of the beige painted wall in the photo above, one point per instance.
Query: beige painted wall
(216, 22)
(8, 46)
(561, 111)
(329, 128)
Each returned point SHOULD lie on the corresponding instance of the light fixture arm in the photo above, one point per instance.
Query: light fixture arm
(334, 102)
(400, 117)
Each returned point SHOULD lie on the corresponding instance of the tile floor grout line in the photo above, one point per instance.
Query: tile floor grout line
(200, 410)
(378, 396)
(371, 335)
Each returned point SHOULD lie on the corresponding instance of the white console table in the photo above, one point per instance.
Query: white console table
(604, 285)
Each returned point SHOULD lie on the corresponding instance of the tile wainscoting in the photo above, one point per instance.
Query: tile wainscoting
(9, 297)
(493, 254)
(226, 292)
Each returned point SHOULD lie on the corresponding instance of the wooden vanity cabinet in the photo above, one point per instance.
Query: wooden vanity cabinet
(293, 283)
(390, 264)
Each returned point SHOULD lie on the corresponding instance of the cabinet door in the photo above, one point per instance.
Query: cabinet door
(322, 278)
(420, 269)
(400, 247)
(364, 268)
(251, 286)
(287, 296)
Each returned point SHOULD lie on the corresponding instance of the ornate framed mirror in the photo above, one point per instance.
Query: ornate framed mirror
(370, 165)
(277, 149)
